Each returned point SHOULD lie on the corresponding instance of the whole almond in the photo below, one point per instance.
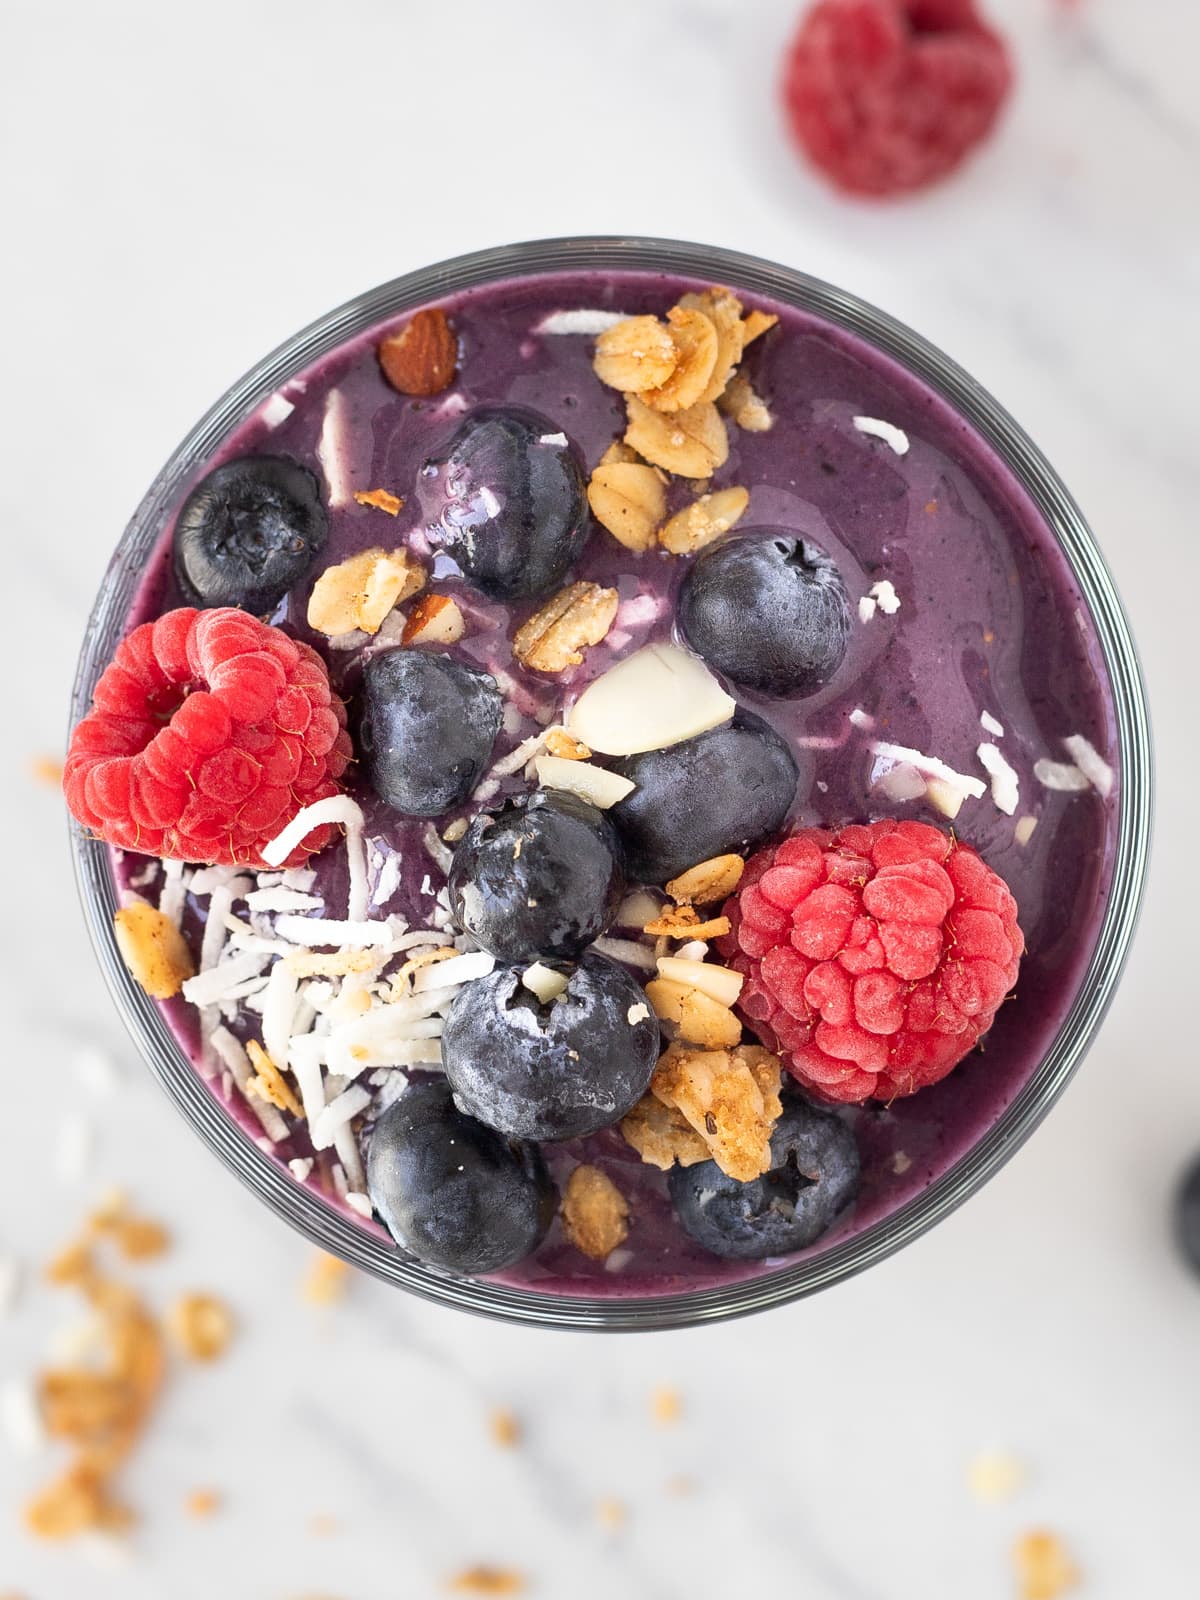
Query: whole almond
(421, 359)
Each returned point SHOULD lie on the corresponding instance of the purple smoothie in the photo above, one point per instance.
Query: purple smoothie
(990, 621)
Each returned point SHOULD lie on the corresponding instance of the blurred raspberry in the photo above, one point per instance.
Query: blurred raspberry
(208, 732)
(886, 96)
(875, 958)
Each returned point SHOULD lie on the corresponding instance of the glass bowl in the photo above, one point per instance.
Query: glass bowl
(330, 1228)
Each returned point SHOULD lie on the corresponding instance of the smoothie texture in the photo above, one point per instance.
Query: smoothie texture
(679, 812)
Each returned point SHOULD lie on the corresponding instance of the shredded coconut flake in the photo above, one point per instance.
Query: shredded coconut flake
(301, 1168)
(1060, 775)
(276, 408)
(885, 596)
(279, 1011)
(333, 454)
(283, 900)
(232, 1053)
(931, 767)
(336, 1114)
(1005, 785)
(990, 725)
(584, 320)
(455, 971)
(209, 987)
(20, 1417)
(633, 954)
(637, 1013)
(314, 932)
(895, 438)
(388, 880)
(1023, 831)
(861, 718)
(902, 782)
(866, 608)
(436, 850)
(173, 895)
(1090, 762)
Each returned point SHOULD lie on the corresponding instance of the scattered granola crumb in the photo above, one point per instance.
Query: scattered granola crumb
(680, 1485)
(1044, 1568)
(201, 1325)
(47, 770)
(595, 1213)
(487, 1580)
(358, 593)
(995, 1476)
(662, 1135)
(611, 1514)
(381, 499)
(666, 1405)
(202, 1503)
(326, 1280)
(323, 1525)
(504, 1428)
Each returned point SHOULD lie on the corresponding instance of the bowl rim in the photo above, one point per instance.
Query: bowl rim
(319, 1221)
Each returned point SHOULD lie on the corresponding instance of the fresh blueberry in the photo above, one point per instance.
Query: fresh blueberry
(452, 1192)
(769, 610)
(551, 1070)
(814, 1177)
(1187, 1215)
(540, 877)
(727, 789)
(427, 728)
(506, 500)
(248, 532)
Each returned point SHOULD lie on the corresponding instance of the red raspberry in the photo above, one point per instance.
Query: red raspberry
(875, 958)
(208, 732)
(889, 95)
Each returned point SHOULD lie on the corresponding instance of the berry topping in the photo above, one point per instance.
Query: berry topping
(427, 729)
(887, 96)
(554, 1069)
(453, 1192)
(540, 877)
(875, 958)
(248, 533)
(729, 789)
(208, 732)
(507, 502)
(768, 610)
(814, 1175)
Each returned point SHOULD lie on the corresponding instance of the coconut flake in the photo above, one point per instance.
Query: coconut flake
(336, 809)
(333, 453)
(321, 932)
(300, 1168)
(931, 767)
(637, 909)
(437, 851)
(235, 1058)
(1091, 763)
(276, 408)
(1023, 831)
(1063, 776)
(944, 797)
(895, 438)
(211, 986)
(584, 320)
(637, 1013)
(450, 974)
(990, 725)
(20, 1417)
(694, 950)
(279, 1011)
(345, 1145)
(601, 788)
(861, 719)
(283, 900)
(902, 782)
(544, 982)
(626, 950)
(388, 881)
(885, 596)
(359, 1202)
(866, 608)
(1005, 784)
(173, 894)
(339, 1112)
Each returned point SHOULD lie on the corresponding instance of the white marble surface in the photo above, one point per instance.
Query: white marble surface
(180, 188)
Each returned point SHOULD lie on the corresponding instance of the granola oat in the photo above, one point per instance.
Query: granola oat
(361, 591)
(555, 637)
(691, 443)
(730, 1098)
(699, 1018)
(666, 1405)
(695, 341)
(745, 406)
(630, 500)
(703, 521)
(638, 353)
(595, 1213)
(504, 1428)
(202, 1503)
(724, 310)
(381, 499)
(708, 881)
(662, 1135)
(682, 922)
(1043, 1566)
(564, 745)
(153, 949)
(757, 323)
(201, 1326)
(269, 1083)
(326, 1279)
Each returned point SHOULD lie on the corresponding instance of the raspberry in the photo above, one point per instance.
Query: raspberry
(208, 732)
(887, 96)
(875, 958)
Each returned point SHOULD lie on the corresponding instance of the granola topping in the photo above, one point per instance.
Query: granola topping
(595, 1213)
(629, 498)
(730, 1098)
(703, 521)
(555, 637)
(360, 592)
(708, 881)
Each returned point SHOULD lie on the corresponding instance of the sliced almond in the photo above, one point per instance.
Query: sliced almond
(757, 323)
(595, 1213)
(747, 409)
(421, 358)
(639, 353)
(721, 984)
(555, 637)
(655, 697)
(708, 881)
(691, 443)
(594, 784)
(724, 310)
(696, 345)
(629, 498)
(359, 593)
(699, 1018)
(703, 521)
(153, 949)
(435, 619)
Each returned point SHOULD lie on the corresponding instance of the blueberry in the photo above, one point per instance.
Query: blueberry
(728, 789)
(506, 500)
(427, 728)
(248, 533)
(540, 877)
(452, 1192)
(1187, 1215)
(555, 1070)
(769, 610)
(814, 1177)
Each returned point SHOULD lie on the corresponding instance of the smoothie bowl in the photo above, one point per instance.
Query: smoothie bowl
(612, 783)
